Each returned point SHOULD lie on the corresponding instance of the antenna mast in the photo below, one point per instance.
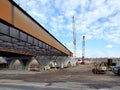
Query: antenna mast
(74, 38)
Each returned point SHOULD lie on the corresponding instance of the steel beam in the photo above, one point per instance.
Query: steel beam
(16, 18)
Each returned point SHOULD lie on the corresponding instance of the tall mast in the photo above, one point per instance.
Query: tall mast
(83, 50)
(74, 38)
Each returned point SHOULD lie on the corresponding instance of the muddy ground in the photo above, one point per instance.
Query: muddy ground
(81, 74)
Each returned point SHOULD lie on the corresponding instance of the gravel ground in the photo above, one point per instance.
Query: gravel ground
(74, 77)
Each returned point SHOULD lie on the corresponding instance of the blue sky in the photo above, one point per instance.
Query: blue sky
(98, 20)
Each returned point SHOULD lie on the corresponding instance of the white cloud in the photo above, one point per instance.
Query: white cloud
(69, 45)
(112, 36)
(88, 37)
(107, 54)
(44, 2)
(114, 4)
(96, 19)
(109, 46)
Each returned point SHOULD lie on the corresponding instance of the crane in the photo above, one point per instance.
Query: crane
(83, 50)
(74, 38)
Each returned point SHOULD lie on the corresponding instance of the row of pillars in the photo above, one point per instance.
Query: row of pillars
(28, 62)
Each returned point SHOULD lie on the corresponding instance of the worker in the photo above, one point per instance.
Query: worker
(95, 68)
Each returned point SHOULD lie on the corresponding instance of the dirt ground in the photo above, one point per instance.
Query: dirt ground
(81, 74)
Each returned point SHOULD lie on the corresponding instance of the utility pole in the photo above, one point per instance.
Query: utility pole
(74, 38)
(83, 50)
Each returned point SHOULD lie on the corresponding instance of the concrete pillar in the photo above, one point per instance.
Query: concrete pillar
(43, 60)
(29, 62)
(21, 60)
(16, 64)
(60, 61)
(65, 61)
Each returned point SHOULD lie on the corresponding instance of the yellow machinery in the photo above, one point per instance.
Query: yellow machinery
(100, 68)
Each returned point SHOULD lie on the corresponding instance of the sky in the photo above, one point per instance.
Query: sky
(97, 20)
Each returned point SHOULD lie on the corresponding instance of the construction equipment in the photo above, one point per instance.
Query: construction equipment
(100, 68)
(83, 50)
(74, 38)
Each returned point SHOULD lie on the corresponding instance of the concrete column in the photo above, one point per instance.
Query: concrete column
(29, 61)
(13, 62)
(61, 61)
(65, 61)
(43, 60)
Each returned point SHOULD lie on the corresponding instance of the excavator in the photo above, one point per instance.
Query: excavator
(99, 68)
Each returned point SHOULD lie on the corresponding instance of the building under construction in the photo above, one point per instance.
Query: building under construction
(22, 38)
